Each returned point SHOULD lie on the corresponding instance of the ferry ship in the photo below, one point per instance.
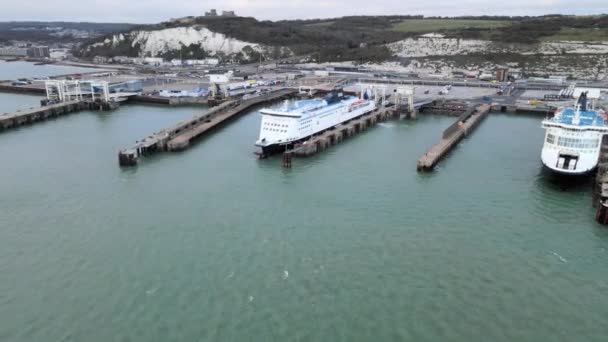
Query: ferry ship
(573, 139)
(297, 121)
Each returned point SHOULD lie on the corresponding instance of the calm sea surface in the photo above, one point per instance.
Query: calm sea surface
(15, 70)
(350, 245)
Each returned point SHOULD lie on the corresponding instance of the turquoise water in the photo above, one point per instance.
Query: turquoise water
(350, 245)
(10, 103)
(15, 70)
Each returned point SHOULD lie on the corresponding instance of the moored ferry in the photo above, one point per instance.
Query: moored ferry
(297, 121)
(573, 139)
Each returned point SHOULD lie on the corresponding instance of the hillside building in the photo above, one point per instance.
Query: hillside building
(38, 52)
(13, 52)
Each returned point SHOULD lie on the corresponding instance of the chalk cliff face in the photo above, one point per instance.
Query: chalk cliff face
(157, 42)
(438, 46)
(153, 43)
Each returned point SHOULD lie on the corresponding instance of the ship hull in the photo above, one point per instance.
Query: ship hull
(268, 150)
(567, 174)
(273, 149)
(283, 129)
(573, 138)
(571, 153)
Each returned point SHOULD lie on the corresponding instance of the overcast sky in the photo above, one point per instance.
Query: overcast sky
(152, 11)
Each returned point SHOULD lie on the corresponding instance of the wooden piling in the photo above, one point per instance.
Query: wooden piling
(127, 158)
(287, 159)
(328, 138)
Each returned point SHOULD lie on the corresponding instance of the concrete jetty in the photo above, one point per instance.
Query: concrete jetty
(16, 119)
(544, 110)
(328, 138)
(180, 136)
(24, 89)
(452, 135)
(600, 189)
(181, 101)
(227, 111)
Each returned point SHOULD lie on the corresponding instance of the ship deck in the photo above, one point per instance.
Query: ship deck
(309, 108)
(587, 118)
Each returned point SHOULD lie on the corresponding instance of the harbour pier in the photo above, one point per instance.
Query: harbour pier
(20, 118)
(463, 126)
(26, 89)
(544, 110)
(600, 188)
(180, 101)
(180, 136)
(328, 138)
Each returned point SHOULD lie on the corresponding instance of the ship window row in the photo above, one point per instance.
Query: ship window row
(574, 143)
(305, 127)
(275, 130)
(572, 131)
(274, 124)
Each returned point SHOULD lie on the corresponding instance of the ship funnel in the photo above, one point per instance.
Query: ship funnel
(582, 101)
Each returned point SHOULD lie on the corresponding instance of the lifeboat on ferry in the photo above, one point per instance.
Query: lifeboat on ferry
(354, 104)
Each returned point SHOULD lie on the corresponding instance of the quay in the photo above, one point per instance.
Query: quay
(463, 126)
(445, 107)
(180, 136)
(16, 119)
(176, 101)
(26, 89)
(600, 188)
(402, 106)
(524, 108)
(328, 138)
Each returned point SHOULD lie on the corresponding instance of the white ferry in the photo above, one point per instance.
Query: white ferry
(573, 139)
(297, 121)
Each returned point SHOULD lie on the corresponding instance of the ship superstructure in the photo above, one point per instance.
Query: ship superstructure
(296, 121)
(573, 138)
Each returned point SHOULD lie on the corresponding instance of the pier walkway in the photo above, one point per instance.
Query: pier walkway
(324, 140)
(28, 116)
(452, 135)
(24, 89)
(600, 189)
(180, 136)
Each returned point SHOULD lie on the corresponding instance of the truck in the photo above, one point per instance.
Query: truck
(536, 102)
(240, 85)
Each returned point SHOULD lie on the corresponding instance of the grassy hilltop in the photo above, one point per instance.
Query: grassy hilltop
(364, 38)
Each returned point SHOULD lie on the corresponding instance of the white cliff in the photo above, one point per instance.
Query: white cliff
(156, 42)
(435, 45)
(160, 41)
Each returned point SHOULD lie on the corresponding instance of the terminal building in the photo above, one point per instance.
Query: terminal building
(38, 52)
(13, 52)
(32, 52)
